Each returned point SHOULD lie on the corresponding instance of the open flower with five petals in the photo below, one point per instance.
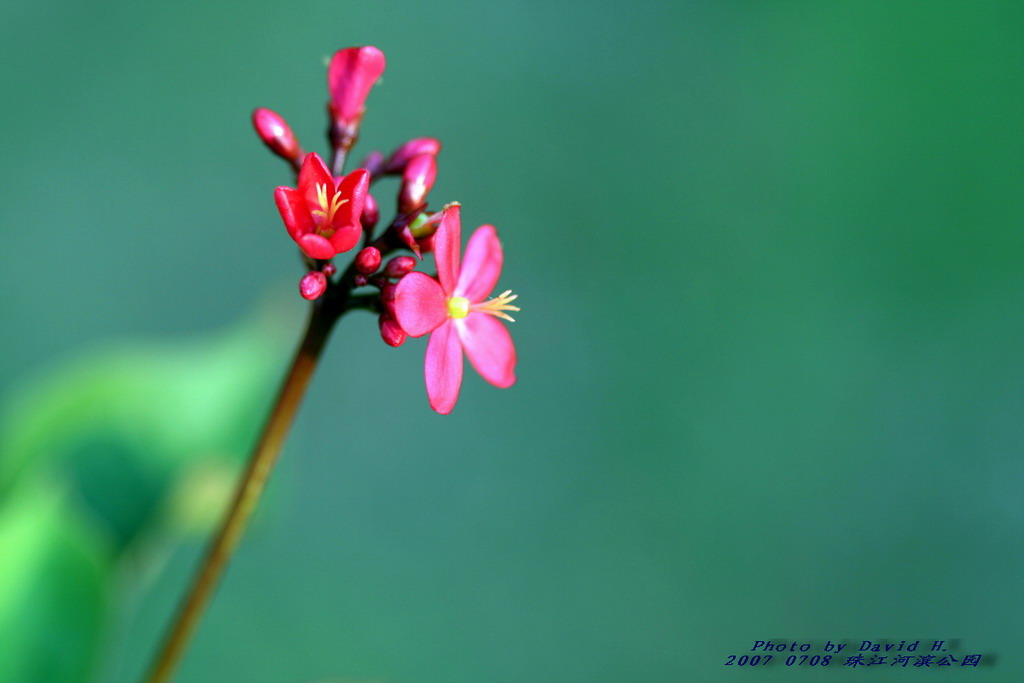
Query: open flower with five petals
(455, 310)
(322, 215)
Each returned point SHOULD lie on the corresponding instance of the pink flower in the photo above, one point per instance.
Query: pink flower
(322, 215)
(351, 75)
(454, 310)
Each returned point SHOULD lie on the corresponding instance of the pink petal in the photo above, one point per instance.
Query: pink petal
(420, 304)
(315, 246)
(294, 212)
(447, 243)
(314, 172)
(482, 266)
(489, 347)
(443, 369)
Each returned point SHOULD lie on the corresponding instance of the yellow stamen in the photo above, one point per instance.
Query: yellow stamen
(327, 209)
(497, 306)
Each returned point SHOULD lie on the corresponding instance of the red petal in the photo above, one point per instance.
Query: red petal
(293, 210)
(315, 246)
(314, 172)
(420, 304)
(347, 224)
(482, 266)
(447, 242)
(489, 347)
(346, 237)
(443, 369)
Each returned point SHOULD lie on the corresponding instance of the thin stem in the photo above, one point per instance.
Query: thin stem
(338, 164)
(248, 492)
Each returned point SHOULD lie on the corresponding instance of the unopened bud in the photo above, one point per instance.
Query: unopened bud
(417, 179)
(371, 213)
(422, 226)
(368, 260)
(387, 297)
(374, 163)
(401, 156)
(276, 134)
(351, 75)
(426, 244)
(390, 331)
(329, 269)
(404, 235)
(399, 266)
(312, 285)
(360, 280)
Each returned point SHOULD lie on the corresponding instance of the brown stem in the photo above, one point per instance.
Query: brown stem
(247, 493)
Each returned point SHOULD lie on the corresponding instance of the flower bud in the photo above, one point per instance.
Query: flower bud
(417, 179)
(360, 280)
(371, 213)
(401, 156)
(312, 285)
(329, 269)
(390, 331)
(405, 236)
(387, 297)
(374, 163)
(276, 134)
(399, 266)
(350, 76)
(368, 260)
(423, 226)
(426, 244)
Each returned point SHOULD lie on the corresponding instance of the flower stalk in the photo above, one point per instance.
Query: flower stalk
(247, 493)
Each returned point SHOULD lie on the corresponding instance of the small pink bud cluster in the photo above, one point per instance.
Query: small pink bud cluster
(329, 212)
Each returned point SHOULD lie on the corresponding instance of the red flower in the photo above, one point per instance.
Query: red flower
(351, 75)
(322, 215)
(454, 310)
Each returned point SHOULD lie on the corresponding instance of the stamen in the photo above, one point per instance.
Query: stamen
(498, 305)
(326, 212)
(328, 209)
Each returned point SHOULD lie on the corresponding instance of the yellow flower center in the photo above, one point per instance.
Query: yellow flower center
(325, 214)
(458, 307)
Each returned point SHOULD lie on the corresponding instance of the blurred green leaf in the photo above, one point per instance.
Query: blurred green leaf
(100, 450)
(125, 425)
(53, 588)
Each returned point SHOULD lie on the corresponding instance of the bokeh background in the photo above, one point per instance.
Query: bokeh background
(771, 376)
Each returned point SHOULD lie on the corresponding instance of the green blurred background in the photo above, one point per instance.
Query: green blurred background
(770, 386)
